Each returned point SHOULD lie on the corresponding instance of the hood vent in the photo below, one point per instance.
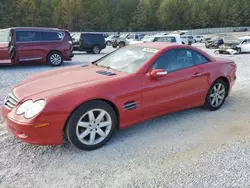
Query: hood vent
(106, 73)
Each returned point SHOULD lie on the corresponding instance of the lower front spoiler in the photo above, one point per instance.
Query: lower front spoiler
(36, 134)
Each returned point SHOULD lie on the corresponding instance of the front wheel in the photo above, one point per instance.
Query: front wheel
(216, 95)
(238, 50)
(55, 59)
(91, 125)
(121, 44)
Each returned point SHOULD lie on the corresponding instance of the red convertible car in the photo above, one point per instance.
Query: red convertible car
(130, 85)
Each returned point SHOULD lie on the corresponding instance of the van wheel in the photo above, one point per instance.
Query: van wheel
(96, 49)
(55, 59)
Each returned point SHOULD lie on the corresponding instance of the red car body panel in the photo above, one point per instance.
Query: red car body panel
(35, 52)
(67, 88)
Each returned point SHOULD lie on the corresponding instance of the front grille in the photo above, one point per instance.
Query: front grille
(10, 101)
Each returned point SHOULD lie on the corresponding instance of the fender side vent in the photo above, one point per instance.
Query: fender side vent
(106, 73)
(131, 105)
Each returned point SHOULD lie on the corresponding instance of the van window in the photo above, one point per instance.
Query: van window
(5, 36)
(52, 36)
(28, 36)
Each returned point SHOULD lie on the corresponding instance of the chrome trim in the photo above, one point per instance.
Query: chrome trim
(130, 106)
(126, 105)
(30, 59)
(10, 101)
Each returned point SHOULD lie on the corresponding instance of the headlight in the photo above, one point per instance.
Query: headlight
(30, 108)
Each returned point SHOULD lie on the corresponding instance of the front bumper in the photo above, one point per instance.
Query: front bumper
(40, 133)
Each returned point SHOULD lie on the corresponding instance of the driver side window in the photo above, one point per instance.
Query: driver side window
(174, 60)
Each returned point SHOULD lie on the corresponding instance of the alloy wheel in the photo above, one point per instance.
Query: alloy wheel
(96, 50)
(93, 127)
(217, 94)
(55, 59)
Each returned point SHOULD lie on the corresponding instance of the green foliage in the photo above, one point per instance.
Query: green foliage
(124, 15)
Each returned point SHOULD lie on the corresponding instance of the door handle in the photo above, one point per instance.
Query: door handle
(197, 74)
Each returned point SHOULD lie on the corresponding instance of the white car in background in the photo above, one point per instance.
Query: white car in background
(244, 46)
(198, 38)
(160, 38)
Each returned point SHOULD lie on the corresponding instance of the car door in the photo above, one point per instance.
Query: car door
(178, 89)
(29, 46)
(245, 46)
(4, 46)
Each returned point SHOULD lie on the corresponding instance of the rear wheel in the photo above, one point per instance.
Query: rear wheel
(96, 49)
(108, 43)
(91, 125)
(216, 95)
(55, 59)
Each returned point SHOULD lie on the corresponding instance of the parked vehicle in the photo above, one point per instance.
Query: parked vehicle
(20, 45)
(125, 39)
(109, 39)
(198, 38)
(91, 43)
(214, 41)
(244, 46)
(184, 39)
(187, 39)
(121, 41)
(97, 99)
(75, 38)
(230, 45)
(160, 38)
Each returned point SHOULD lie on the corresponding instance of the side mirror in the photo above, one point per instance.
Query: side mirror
(157, 73)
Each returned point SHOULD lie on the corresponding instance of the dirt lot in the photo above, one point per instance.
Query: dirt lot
(193, 148)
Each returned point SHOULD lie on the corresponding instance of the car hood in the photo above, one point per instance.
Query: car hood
(69, 78)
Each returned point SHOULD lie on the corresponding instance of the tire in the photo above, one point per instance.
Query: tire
(96, 49)
(55, 59)
(79, 125)
(239, 50)
(221, 52)
(121, 44)
(108, 43)
(212, 95)
(114, 45)
(89, 52)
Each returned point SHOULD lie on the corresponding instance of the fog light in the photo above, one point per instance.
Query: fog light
(22, 135)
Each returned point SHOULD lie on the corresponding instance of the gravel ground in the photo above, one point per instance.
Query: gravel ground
(193, 148)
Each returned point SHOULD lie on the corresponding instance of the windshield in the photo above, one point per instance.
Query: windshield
(128, 59)
(4, 35)
(148, 39)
